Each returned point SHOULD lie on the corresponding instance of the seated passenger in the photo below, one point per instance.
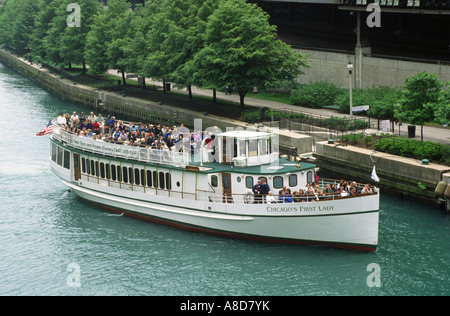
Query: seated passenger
(270, 198)
(366, 189)
(288, 196)
(281, 196)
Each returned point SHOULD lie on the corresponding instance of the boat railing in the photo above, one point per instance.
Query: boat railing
(149, 155)
(250, 198)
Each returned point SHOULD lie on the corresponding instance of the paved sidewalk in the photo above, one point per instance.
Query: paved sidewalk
(434, 134)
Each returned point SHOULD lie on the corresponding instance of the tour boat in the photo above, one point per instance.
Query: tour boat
(209, 189)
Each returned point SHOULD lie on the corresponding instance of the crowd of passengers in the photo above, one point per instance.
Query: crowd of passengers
(312, 192)
(133, 134)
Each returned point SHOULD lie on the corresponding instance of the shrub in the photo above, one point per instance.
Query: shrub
(413, 148)
(315, 94)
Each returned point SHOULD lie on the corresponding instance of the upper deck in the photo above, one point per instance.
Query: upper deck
(247, 152)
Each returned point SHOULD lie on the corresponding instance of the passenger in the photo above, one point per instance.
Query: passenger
(74, 117)
(301, 196)
(117, 134)
(288, 196)
(264, 190)
(353, 191)
(270, 198)
(92, 117)
(333, 188)
(281, 196)
(257, 197)
(366, 189)
(96, 127)
(61, 120)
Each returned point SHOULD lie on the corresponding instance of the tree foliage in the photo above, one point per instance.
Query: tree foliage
(207, 43)
(241, 49)
(419, 98)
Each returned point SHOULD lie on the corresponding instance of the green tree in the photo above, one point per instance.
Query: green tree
(17, 22)
(419, 98)
(442, 112)
(108, 28)
(241, 50)
(46, 14)
(72, 41)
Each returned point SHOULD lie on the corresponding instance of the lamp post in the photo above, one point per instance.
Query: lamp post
(350, 68)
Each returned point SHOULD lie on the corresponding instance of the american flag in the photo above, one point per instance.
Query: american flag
(47, 130)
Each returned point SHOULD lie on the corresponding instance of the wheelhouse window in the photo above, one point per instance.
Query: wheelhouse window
(252, 147)
(214, 181)
(309, 177)
(248, 182)
(278, 182)
(293, 180)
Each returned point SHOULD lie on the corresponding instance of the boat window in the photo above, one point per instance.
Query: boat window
(113, 172)
(263, 146)
(277, 182)
(249, 182)
(102, 170)
(293, 180)
(161, 180)
(83, 165)
(119, 174)
(130, 175)
(66, 159)
(54, 152)
(92, 167)
(214, 181)
(309, 177)
(137, 176)
(125, 174)
(149, 178)
(142, 176)
(59, 156)
(88, 166)
(96, 169)
(168, 181)
(155, 179)
(108, 175)
(242, 148)
(252, 147)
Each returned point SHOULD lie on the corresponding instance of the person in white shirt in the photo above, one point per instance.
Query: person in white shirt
(74, 117)
(270, 198)
(62, 119)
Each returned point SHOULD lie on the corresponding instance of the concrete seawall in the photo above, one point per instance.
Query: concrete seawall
(137, 109)
(403, 176)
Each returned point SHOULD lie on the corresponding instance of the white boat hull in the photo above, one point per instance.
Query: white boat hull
(325, 222)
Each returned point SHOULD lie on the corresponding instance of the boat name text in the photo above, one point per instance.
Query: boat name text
(298, 208)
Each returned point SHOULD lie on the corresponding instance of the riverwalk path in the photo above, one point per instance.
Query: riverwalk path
(434, 134)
